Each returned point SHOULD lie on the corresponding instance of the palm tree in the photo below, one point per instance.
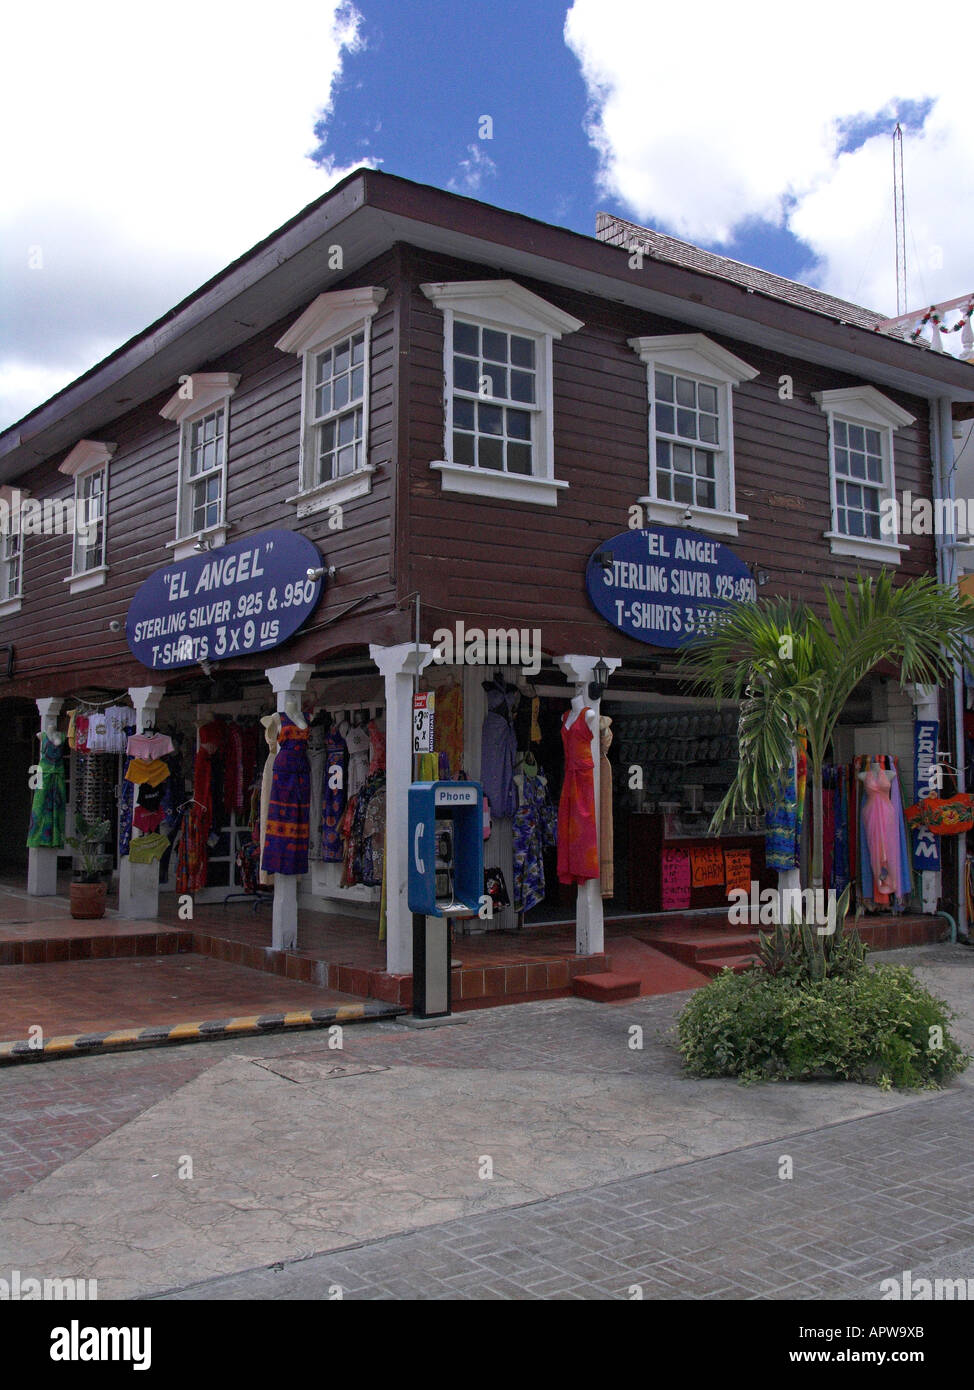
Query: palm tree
(793, 671)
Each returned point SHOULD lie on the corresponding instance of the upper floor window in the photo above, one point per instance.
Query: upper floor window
(201, 407)
(88, 464)
(499, 428)
(861, 479)
(691, 430)
(11, 566)
(333, 338)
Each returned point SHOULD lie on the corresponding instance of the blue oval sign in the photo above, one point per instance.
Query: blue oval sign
(664, 584)
(242, 598)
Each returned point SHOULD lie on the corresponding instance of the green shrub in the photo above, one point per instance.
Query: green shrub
(874, 1025)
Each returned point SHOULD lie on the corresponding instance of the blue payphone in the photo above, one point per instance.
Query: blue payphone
(446, 879)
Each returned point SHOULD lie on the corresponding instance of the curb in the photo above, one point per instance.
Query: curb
(207, 1030)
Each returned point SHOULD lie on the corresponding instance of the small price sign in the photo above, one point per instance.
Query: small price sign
(423, 708)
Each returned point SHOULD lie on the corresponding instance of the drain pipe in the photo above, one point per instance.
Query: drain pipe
(942, 440)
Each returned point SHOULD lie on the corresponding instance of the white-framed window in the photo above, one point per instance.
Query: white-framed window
(11, 566)
(498, 390)
(88, 465)
(333, 338)
(11, 549)
(201, 408)
(690, 382)
(862, 484)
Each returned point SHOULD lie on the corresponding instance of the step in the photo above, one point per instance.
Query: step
(693, 948)
(606, 986)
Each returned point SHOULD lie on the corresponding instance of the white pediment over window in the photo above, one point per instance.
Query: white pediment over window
(866, 405)
(695, 354)
(87, 455)
(502, 301)
(331, 315)
(200, 392)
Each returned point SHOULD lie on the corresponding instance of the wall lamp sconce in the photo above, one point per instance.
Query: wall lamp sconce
(203, 542)
(206, 668)
(600, 680)
(321, 571)
(759, 575)
(604, 558)
(114, 625)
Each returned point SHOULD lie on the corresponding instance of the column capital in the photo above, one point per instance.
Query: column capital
(49, 709)
(925, 700)
(146, 699)
(405, 659)
(289, 680)
(579, 669)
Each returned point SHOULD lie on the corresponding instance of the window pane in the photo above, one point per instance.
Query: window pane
(857, 437)
(346, 428)
(682, 488)
(522, 387)
(664, 486)
(463, 448)
(665, 420)
(519, 424)
(706, 494)
(465, 374)
(707, 398)
(841, 432)
(497, 377)
(346, 461)
(342, 356)
(686, 424)
(664, 386)
(705, 463)
(708, 428)
(663, 447)
(686, 391)
(327, 437)
(358, 348)
(495, 346)
(340, 396)
(857, 465)
(324, 366)
(522, 351)
(463, 414)
(490, 419)
(875, 466)
(323, 400)
(682, 459)
(490, 453)
(519, 458)
(358, 381)
(466, 338)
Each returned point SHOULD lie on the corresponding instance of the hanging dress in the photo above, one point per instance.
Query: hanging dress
(377, 748)
(448, 727)
(881, 835)
(358, 745)
(578, 840)
(606, 852)
(50, 798)
(286, 842)
(534, 829)
(272, 727)
(498, 749)
(333, 797)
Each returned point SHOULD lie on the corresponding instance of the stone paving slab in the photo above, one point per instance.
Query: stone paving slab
(600, 1244)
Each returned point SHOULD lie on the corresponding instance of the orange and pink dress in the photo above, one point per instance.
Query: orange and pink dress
(578, 838)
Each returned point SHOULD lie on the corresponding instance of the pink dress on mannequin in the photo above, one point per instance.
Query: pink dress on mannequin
(880, 830)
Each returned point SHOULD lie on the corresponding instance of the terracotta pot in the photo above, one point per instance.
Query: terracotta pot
(87, 899)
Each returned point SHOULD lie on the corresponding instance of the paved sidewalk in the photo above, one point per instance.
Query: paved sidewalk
(299, 1150)
(728, 1227)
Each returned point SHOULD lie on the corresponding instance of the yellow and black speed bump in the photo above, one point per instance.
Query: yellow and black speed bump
(158, 1035)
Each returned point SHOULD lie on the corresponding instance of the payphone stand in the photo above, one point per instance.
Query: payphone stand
(446, 882)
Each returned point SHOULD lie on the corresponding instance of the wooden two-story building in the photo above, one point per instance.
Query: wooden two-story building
(480, 422)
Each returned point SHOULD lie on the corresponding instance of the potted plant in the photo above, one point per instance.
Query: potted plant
(88, 887)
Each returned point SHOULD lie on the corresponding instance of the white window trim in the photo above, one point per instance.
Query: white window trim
(695, 355)
(864, 405)
(9, 606)
(509, 308)
(332, 316)
(88, 456)
(208, 390)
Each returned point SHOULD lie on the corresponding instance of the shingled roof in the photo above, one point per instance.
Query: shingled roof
(616, 231)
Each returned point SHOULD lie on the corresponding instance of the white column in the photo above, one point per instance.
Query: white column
(42, 863)
(398, 665)
(926, 705)
(289, 684)
(589, 919)
(138, 884)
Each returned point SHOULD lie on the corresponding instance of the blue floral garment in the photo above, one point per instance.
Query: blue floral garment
(782, 825)
(535, 829)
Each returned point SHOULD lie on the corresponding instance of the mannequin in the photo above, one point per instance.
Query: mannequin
(880, 831)
(578, 840)
(293, 712)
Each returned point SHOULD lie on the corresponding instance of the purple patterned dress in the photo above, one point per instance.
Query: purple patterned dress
(498, 749)
(333, 797)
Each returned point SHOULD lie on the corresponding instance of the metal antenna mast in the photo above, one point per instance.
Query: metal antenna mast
(899, 216)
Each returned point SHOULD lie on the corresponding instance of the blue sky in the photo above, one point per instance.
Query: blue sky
(139, 171)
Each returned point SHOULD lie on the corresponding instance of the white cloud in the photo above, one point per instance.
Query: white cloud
(706, 119)
(472, 171)
(145, 149)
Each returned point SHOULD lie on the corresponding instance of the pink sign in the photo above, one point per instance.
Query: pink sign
(675, 879)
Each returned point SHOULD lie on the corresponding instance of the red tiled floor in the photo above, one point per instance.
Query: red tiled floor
(98, 995)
